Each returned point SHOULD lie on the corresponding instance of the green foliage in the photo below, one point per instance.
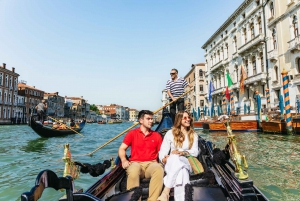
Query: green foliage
(93, 107)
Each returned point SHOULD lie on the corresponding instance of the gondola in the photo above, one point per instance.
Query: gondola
(216, 183)
(46, 131)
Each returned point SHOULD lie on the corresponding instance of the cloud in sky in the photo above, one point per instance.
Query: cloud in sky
(107, 51)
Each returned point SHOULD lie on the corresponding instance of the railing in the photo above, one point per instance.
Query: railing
(21, 104)
(256, 78)
(219, 90)
(201, 78)
(257, 39)
(273, 55)
(216, 65)
(294, 44)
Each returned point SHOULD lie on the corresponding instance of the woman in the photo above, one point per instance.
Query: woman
(181, 141)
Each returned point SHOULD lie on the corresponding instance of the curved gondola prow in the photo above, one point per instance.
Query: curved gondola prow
(165, 124)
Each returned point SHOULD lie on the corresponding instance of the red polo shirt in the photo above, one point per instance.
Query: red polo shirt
(143, 147)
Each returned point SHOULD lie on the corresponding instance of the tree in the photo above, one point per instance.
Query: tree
(93, 107)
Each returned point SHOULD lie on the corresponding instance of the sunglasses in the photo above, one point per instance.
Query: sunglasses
(172, 73)
(186, 118)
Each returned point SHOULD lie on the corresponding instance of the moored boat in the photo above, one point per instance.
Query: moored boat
(102, 122)
(273, 127)
(114, 122)
(198, 124)
(236, 126)
(217, 182)
(47, 131)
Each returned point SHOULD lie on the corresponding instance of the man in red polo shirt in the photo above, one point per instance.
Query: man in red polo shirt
(145, 145)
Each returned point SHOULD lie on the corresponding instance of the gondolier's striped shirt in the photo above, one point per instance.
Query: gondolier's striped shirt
(176, 88)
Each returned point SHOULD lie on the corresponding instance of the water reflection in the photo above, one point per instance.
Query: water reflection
(36, 145)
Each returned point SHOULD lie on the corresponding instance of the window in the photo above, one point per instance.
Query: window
(295, 25)
(262, 62)
(298, 65)
(277, 94)
(254, 65)
(235, 43)
(10, 81)
(200, 73)
(201, 103)
(274, 39)
(1, 78)
(257, 2)
(276, 73)
(244, 15)
(248, 93)
(26, 91)
(252, 31)
(237, 73)
(226, 32)
(237, 95)
(263, 89)
(226, 47)
(16, 83)
(245, 35)
(6, 80)
(272, 9)
(259, 25)
(234, 24)
(201, 87)
(247, 69)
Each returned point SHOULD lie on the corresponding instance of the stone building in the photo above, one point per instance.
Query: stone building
(80, 108)
(133, 114)
(8, 95)
(240, 43)
(32, 97)
(196, 77)
(55, 104)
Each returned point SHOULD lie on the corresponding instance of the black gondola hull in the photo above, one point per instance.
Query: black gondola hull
(47, 132)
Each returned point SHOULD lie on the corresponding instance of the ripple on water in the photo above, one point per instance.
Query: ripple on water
(274, 162)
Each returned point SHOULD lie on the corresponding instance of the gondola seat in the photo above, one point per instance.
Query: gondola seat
(48, 179)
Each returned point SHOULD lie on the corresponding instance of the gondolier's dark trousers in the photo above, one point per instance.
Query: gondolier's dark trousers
(40, 114)
(179, 104)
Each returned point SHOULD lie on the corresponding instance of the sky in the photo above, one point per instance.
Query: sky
(112, 51)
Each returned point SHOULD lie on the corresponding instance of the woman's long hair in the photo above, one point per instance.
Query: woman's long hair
(178, 135)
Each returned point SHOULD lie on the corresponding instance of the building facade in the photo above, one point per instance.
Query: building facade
(239, 44)
(8, 95)
(80, 108)
(133, 114)
(55, 104)
(32, 97)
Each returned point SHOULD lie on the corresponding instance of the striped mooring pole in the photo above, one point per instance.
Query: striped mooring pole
(286, 93)
(268, 100)
(224, 103)
(232, 102)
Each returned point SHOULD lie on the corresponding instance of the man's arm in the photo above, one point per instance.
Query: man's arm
(170, 95)
(122, 155)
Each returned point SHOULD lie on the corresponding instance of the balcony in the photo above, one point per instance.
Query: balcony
(276, 84)
(21, 104)
(236, 85)
(257, 40)
(273, 55)
(11, 88)
(1, 102)
(294, 45)
(260, 77)
(218, 91)
(216, 65)
(201, 78)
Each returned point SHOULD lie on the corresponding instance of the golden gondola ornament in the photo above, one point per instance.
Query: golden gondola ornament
(70, 168)
(238, 159)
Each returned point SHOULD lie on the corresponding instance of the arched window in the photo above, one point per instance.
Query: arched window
(254, 65)
(218, 56)
(274, 39)
(226, 47)
(6, 80)
(245, 35)
(235, 43)
(272, 9)
(10, 81)
(1, 78)
(295, 25)
(298, 65)
(252, 31)
(200, 73)
(261, 55)
(259, 25)
(276, 73)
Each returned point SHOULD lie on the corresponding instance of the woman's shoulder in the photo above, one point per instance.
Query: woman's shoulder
(169, 133)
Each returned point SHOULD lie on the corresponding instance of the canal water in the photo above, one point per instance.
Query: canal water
(274, 160)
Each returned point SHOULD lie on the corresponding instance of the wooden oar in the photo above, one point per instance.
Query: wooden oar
(66, 126)
(134, 125)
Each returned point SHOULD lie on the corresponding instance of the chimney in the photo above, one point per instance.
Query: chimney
(57, 93)
(33, 86)
(13, 69)
(4, 65)
(81, 97)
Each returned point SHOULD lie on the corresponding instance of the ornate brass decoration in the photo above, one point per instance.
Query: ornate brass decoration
(70, 168)
(235, 156)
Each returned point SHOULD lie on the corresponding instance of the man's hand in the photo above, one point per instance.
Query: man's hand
(125, 164)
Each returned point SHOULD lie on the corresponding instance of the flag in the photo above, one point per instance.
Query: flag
(242, 80)
(211, 89)
(227, 94)
(229, 81)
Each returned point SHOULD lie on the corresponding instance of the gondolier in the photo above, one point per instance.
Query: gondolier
(41, 107)
(175, 88)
